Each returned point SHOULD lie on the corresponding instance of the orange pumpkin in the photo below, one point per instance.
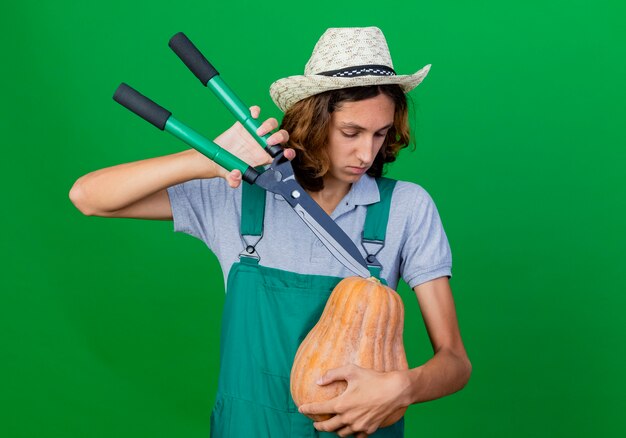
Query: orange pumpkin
(361, 324)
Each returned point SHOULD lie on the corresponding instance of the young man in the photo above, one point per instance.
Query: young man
(344, 119)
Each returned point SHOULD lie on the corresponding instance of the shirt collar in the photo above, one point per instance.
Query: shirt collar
(363, 192)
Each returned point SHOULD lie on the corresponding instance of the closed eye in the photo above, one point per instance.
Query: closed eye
(381, 133)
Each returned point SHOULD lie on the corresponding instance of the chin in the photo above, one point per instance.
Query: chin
(352, 178)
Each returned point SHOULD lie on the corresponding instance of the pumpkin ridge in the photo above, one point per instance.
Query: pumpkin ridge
(346, 306)
(400, 352)
(335, 327)
(363, 357)
(389, 358)
(314, 344)
(327, 314)
(309, 352)
(342, 307)
(326, 359)
(383, 329)
(401, 362)
(356, 297)
(379, 339)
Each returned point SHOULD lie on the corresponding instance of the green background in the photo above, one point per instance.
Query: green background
(109, 328)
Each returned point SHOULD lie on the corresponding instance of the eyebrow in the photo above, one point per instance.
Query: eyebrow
(352, 125)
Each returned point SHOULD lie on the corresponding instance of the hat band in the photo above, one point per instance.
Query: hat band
(360, 70)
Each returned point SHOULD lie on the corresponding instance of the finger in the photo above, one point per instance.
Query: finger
(353, 429)
(289, 154)
(326, 407)
(343, 373)
(255, 111)
(330, 425)
(345, 431)
(268, 160)
(267, 126)
(279, 137)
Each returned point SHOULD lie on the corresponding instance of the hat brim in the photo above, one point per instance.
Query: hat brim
(287, 91)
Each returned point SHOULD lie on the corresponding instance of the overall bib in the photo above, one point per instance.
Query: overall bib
(267, 314)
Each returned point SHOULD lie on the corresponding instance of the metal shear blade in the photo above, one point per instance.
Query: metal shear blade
(279, 179)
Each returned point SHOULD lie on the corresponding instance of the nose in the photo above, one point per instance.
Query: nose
(365, 150)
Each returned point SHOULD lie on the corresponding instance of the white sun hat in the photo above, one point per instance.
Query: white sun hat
(344, 57)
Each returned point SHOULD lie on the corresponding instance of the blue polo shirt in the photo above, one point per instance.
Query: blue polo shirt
(416, 247)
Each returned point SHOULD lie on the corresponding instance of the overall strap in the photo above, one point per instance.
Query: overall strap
(375, 228)
(252, 214)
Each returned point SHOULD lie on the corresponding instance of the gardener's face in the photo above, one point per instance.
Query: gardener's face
(356, 134)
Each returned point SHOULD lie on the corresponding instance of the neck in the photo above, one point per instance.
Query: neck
(333, 192)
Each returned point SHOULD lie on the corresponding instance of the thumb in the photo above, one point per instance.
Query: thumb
(234, 178)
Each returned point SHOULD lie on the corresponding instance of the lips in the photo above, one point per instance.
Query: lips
(357, 170)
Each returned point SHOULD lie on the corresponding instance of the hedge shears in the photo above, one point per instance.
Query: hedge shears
(277, 178)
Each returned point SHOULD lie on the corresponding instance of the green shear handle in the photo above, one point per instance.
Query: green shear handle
(208, 75)
(162, 119)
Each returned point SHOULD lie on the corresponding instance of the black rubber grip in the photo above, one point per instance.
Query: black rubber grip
(250, 175)
(141, 105)
(193, 59)
(274, 150)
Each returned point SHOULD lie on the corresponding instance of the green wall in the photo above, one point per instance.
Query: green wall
(109, 328)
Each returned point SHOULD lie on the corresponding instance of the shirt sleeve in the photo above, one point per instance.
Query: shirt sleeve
(196, 205)
(426, 252)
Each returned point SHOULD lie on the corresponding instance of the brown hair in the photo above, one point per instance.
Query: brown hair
(308, 121)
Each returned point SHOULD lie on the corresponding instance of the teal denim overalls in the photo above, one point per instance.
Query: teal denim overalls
(267, 314)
